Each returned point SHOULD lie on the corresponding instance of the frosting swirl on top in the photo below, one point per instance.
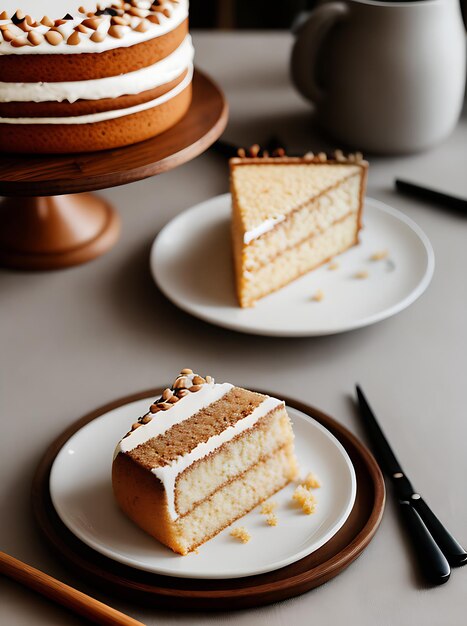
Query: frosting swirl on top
(80, 26)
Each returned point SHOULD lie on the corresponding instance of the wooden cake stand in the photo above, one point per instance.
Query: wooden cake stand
(41, 228)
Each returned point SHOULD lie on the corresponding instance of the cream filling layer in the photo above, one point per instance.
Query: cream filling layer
(264, 227)
(57, 10)
(168, 474)
(111, 87)
(179, 412)
(104, 115)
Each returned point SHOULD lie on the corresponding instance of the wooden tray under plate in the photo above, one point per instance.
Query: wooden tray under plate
(239, 593)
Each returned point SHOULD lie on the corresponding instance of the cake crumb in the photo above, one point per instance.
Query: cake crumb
(268, 507)
(379, 255)
(318, 295)
(271, 520)
(362, 274)
(334, 265)
(311, 481)
(241, 533)
(305, 499)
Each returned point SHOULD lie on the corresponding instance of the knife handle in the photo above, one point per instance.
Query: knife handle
(432, 561)
(452, 550)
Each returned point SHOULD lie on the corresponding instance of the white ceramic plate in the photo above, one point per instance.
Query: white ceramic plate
(191, 263)
(80, 486)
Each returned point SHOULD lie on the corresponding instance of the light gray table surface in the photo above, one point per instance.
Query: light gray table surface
(73, 340)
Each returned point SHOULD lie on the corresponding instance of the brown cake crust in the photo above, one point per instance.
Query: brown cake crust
(139, 494)
(104, 135)
(84, 107)
(181, 438)
(32, 68)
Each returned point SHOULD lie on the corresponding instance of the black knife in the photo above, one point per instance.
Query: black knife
(432, 195)
(434, 544)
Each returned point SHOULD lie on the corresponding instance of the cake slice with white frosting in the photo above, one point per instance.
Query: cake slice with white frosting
(204, 455)
(290, 215)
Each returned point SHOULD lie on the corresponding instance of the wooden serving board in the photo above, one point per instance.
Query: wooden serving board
(238, 593)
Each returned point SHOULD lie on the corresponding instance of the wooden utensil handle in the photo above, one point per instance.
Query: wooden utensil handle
(57, 591)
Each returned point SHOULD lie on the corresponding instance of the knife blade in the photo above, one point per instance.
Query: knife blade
(405, 492)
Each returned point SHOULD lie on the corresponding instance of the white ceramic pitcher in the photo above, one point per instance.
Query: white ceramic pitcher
(385, 77)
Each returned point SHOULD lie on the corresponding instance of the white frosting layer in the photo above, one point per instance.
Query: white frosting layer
(104, 115)
(112, 87)
(264, 227)
(57, 9)
(168, 474)
(179, 412)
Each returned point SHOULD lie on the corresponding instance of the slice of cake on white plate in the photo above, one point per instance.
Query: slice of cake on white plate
(203, 456)
(291, 215)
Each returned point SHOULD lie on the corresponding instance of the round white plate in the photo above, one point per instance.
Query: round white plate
(81, 491)
(191, 263)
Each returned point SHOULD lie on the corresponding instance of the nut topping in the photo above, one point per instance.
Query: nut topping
(163, 405)
(97, 37)
(35, 38)
(73, 39)
(46, 21)
(181, 383)
(167, 394)
(116, 32)
(92, 23)
(54, 37)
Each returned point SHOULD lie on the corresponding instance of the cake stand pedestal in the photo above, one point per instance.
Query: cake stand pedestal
(49, 221)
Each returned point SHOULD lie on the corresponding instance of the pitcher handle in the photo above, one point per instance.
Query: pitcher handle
(310, 35)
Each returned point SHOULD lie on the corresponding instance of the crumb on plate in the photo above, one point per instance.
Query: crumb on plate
(305, 499)
(268, 507)
(318, 295)
(312, 481)
(271, 520)
(379, 255)
(241, 533)
(362, 274)
(334, 265)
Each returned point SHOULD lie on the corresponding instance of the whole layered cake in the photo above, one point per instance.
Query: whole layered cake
(83, 76)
